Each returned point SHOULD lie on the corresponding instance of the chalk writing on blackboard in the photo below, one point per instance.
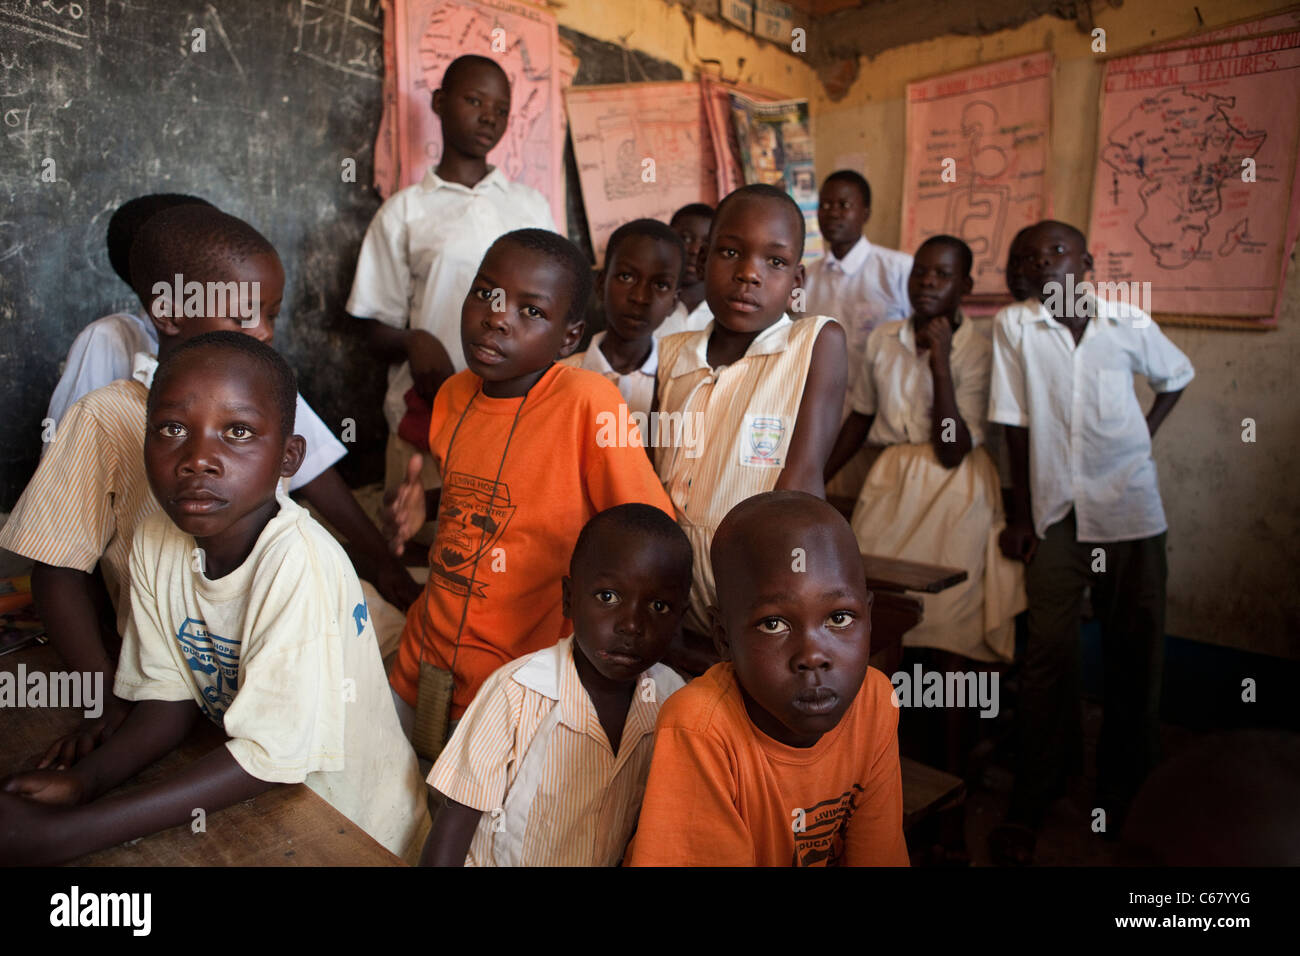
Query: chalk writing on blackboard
(343, 35)
(64, 23)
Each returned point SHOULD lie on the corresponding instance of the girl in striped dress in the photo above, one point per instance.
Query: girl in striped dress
(758, 395)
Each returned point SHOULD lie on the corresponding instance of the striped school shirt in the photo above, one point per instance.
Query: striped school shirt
(90, 491)
(531, 754)
(741, 419)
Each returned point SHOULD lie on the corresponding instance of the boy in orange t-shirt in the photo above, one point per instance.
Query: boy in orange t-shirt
(786, 753)
(529, 450)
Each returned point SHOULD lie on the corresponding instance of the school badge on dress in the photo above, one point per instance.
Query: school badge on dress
(763, 441)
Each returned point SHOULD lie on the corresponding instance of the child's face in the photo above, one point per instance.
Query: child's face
(937, 282)
(841, 213)
(475, 111)
(626, 601)
(213, 448)
(268, 273)
(1050, 253)
(512, 345)
(753, 264)
(796, 625)
(640, 286)
(694, 231)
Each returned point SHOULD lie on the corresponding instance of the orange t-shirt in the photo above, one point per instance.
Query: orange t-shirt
(723, 793)
(574, 453)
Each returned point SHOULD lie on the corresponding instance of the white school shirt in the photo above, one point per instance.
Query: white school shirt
(898, 386)
(323, 449)
(420, 256)
(868, 286)
(1089, 448)
(679, 320)
(280, 653)
(637, 386)
(102, 352)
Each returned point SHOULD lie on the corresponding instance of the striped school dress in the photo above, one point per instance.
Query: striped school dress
(724, 433)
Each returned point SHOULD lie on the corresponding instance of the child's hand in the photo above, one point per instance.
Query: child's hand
(1018, 542)
(62, 788)
(404, 512)
(66, 751)
(28, 834)
(937, 337)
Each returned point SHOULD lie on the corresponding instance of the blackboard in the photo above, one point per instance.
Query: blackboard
(258, 122)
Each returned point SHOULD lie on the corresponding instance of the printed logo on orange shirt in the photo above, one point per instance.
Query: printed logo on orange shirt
(820, 842)
(471, 519)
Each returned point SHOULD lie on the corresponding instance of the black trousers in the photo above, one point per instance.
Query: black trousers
(1128, 599)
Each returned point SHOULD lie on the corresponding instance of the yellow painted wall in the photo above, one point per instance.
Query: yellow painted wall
(671, 32)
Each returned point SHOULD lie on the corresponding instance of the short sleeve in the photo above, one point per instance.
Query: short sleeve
(541, 213)
(1008, 403)
(689, 815)
(472, 768)
(618, 473)
(381, 288)
(65, 515)
(323, 449)
(287, 717)
(972, 384)
(1167, 368)
(149, 667)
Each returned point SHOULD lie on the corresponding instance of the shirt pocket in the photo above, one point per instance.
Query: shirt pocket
(1114, 393)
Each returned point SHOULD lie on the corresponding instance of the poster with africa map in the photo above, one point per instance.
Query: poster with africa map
(1196, 167)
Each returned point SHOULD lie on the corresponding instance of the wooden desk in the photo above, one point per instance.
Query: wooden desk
(286, 826)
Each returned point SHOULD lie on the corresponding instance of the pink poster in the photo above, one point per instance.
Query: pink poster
(426, 36)
(642, 150)
(1194, 178)
(977, 160)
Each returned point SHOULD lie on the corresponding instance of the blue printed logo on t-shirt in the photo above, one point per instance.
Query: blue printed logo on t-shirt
(359, 615)
(214, 660)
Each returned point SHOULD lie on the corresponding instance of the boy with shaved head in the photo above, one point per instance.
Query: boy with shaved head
(786, 752)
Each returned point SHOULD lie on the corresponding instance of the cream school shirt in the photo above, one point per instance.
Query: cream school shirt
(898, 387)
(637, 386)
(743, 416)
(1089, 448)
(420, 256)
(531, 754)
(868, 286)
(280, 653)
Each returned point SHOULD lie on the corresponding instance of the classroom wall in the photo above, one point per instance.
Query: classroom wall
(1234, 515)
